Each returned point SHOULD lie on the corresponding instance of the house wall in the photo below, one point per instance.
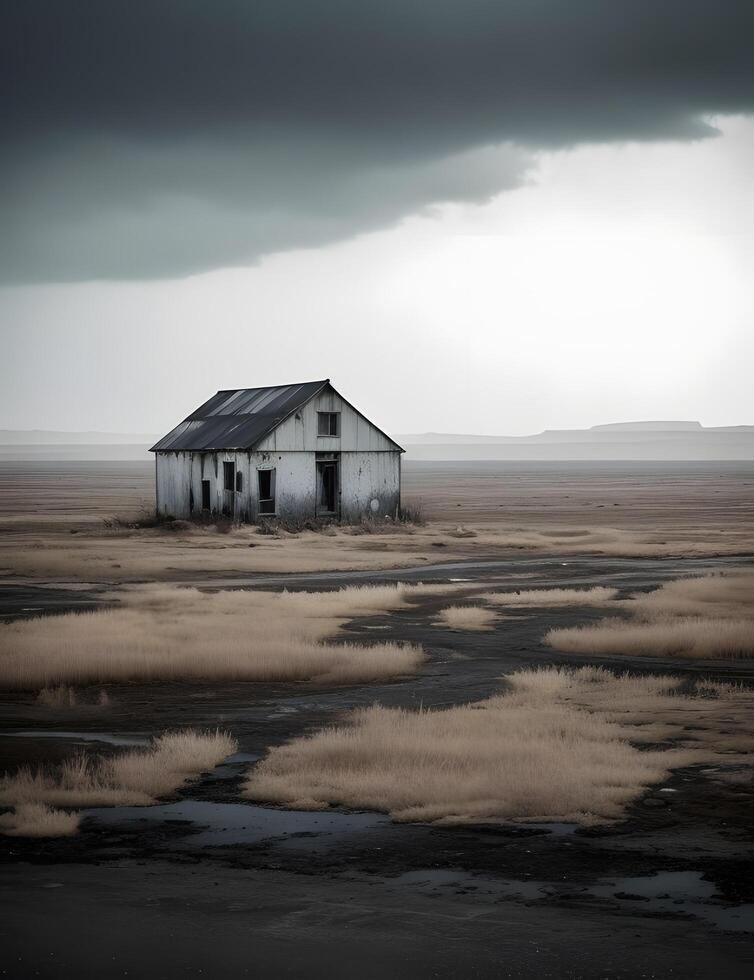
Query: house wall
(299, 432)
(364, 477)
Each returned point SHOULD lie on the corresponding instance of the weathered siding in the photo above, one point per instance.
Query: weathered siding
(299, 432)
(364, 477)
(370, 484)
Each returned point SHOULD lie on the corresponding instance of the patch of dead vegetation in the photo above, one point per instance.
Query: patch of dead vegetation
(39, 820)
(135, 778)
(467, 618)
(552, 598)
(709, 616)
(188, 551)
(557, 745)
(161, 633)
(63, 697)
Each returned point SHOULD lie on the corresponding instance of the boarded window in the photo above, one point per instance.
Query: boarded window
(229, 476)
(266, 479)
(205, 495)
(328, 423)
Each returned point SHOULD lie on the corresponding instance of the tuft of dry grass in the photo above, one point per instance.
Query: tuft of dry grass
(709, 616)
(63, 697)
(467, 618)
(134, 778)
(160, 633)
(39, 820)
(694, 637)
(557, 745)
(543, 598)
(721, 595)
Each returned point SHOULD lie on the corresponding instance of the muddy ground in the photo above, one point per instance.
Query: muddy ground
(209, 886)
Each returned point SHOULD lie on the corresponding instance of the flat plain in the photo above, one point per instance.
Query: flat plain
(491, 800)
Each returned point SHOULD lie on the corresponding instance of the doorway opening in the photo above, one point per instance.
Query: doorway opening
(328, 484)
(206, 504)
(266, 481)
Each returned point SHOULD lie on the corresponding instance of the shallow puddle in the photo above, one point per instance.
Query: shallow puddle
(104, 737)
(556, 828)
(232, 766)
(432, 878)
(220, 824)
(684, 892)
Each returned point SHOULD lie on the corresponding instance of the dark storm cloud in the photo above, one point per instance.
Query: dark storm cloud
(156, 138)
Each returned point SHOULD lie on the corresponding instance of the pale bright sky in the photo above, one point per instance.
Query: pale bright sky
(615, 285)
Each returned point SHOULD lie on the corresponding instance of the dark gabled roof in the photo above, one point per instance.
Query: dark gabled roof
(237, 419)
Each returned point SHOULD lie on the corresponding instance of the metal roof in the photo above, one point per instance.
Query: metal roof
(237, 419)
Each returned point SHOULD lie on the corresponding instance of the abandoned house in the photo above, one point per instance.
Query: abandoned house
(291, 451)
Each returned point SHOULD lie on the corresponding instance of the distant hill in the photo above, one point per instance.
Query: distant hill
(51, 437)
(613, 441)
(52, 445)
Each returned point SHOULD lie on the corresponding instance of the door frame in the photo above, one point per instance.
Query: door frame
(322, 460)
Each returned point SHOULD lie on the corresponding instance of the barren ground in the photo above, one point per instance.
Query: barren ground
(209, 885)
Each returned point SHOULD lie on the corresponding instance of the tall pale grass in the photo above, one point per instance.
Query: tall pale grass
(677, 637)
(467, 618)
(171, 634)
(708, 616)
(63, 697)
(726, 595)
(556, 745)
(134, 778)
(39, 820)
(597, 596)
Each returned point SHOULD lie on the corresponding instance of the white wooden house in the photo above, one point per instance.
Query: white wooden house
(291, 451)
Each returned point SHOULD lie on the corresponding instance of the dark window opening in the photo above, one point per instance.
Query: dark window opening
(328, 423)
(239, 482)
(229, 476)
(266, 479)
(206, 505)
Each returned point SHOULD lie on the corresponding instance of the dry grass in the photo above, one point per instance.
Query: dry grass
(172, 634)
(134, 778)
(711, 616)
(679, 637)
(41, 548)
(38, 820)
(152, 555)
(467, 618)
(63, 697)
(545, 598)
(558, 745)
(725, 595)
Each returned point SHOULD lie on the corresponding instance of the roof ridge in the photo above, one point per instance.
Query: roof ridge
(290, 384)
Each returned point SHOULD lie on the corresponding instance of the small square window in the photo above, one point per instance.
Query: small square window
(328, 423)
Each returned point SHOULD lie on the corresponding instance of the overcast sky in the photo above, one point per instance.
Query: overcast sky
(472, 216)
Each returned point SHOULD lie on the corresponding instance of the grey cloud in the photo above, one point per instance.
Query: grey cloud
(157, 138)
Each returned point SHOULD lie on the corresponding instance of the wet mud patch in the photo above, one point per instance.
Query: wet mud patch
(27, 601)
(553, 865)
(209, 824)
